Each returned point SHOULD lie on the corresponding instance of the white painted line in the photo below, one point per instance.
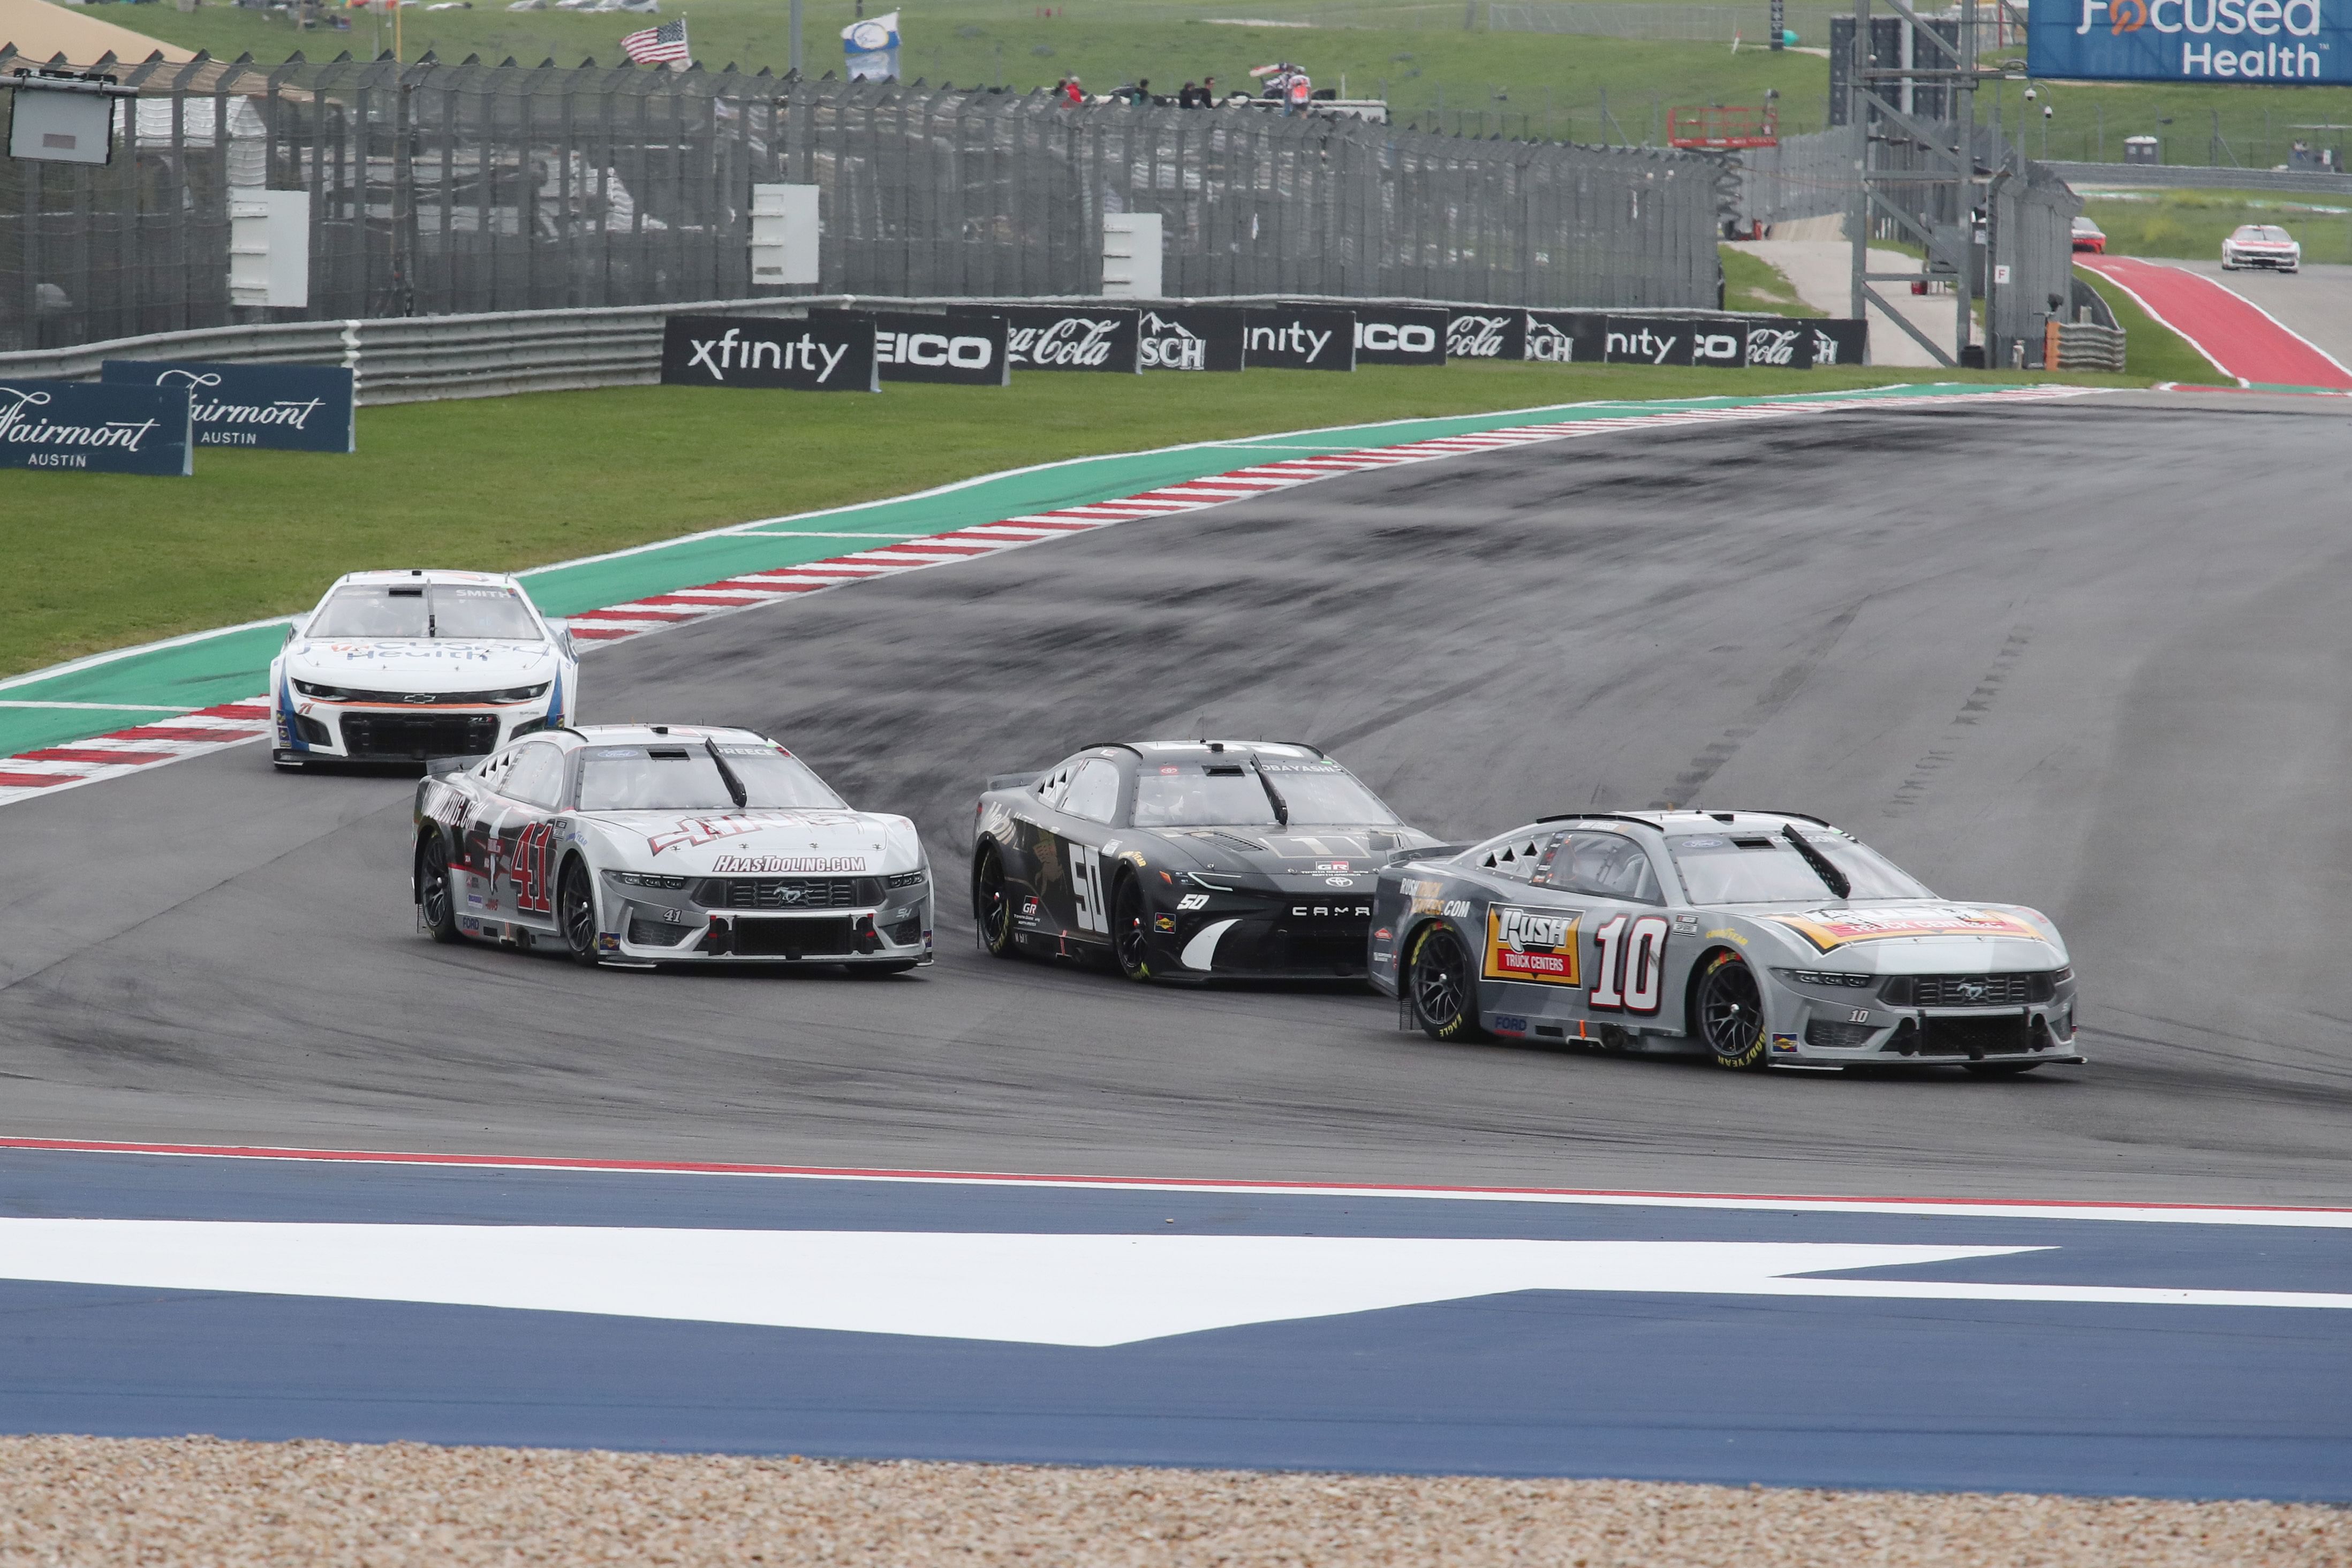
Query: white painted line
(101, 707)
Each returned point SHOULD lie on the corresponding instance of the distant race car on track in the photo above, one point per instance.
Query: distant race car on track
(665, 844)
(1186, 860)
(399, 666)
(1763, 938)
(2090, 236)
(2261, 244)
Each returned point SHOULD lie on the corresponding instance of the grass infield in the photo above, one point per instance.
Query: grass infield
(106, 560)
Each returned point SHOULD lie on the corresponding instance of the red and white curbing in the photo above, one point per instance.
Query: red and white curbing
(50, 769)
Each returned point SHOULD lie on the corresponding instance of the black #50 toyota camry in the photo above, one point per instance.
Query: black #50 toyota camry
(1186, 861)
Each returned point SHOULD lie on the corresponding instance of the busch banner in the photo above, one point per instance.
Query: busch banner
(1195, 338)
(293, 408)
(2304, 42)
(94, 427)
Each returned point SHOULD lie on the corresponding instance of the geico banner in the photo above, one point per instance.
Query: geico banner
(294, 408)
(94, 426)
(1566, 337)
(1299, 337)
(2300, 41)
(827, 354)
(1058, 337)
(1191, 338)
(965, 347)
(1398, 335)
(1489, 334)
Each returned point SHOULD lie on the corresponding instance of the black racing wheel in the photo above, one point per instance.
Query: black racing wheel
(1729, 1009)
(436, 906)
(575, 910)
(1440, 986)
(1130, 937)
(992, 906)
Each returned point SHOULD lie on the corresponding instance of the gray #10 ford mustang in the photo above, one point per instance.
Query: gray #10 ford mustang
(1763, 938)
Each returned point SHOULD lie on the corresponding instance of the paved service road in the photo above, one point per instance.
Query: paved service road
(2088, 656)
(2187, 1354)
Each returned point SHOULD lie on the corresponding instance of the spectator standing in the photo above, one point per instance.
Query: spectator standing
(1184, 95)
(1072, 93)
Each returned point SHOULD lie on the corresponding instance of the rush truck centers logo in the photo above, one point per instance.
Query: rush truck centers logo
(292, 408)
(1536, 944)
(832, 353)
(94, 427)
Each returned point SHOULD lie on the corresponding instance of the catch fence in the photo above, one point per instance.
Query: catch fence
(439, 188)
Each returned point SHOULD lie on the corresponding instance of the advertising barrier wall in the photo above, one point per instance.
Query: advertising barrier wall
(2297, 42)
(1591, 336)
(1063, 337)
(963, 348)
(1191, 338)
(1398, 335)
(1486, 334)
(292, 408)
(813, 354)
(94, 426)
(1300, 337)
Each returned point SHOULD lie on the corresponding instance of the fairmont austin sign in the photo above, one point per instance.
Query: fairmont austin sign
(294, 408)
(94, 427)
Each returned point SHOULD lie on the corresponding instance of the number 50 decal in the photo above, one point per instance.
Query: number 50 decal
(1630, 976)
(1086, 887)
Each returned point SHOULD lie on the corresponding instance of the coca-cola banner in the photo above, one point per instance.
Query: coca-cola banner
(827, 353)
(965, 347)
(1486, 334)
(1398, 335)
(1192, 338)
(1058, 337)
(1566, 337)
(1776, 342)
(1299, 337)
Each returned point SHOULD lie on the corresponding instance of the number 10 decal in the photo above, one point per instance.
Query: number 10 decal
(1629, 974)
(1086, 887)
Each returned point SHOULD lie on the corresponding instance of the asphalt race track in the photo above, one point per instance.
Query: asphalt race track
(2087, 655)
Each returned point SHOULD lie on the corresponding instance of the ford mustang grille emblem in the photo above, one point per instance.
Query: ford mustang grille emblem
(1972, 990)
(794, 894)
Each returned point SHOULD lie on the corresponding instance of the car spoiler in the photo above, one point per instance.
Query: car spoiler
(1012, 780)
(435, 767)
(1428, 853)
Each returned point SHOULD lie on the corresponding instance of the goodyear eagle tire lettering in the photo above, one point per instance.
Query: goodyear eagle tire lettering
(1727, 1005)
(1438, 982)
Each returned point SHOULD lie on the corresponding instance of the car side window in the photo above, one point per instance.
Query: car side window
(536, 775)
(1092, 793)
(1049, 789)
(1516, 857)
(1606, 865)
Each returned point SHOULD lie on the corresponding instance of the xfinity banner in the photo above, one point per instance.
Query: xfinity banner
(1194, 338)
(831, 354)
(1486, 334)
(293, 408)
(1300, 337)
(1058, 337)
(965, 347)
(2293, 41)
(95, 427)
(1398, 335)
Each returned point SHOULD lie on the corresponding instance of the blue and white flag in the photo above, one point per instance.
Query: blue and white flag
(873, 47)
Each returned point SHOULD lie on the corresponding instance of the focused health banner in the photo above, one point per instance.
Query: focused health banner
(2305, 42)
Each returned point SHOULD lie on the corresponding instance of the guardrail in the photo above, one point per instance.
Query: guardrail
(414, 359)
(2181, 176)
(2082, 346)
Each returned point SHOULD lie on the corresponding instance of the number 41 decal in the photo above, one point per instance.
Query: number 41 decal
(1086, 887)
(1630, 974)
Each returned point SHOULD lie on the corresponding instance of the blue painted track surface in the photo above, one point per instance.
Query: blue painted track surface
(2162, 1400)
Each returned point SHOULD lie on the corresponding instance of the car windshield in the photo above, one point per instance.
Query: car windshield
(1745, 867)
(427, 610)
(1228, 795)
(2085, 226)
(685, 779)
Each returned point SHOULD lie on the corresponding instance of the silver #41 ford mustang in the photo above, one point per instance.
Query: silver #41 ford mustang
(665, 844)
(1761, 938)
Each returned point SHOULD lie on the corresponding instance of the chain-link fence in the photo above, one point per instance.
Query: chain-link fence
(440, 188)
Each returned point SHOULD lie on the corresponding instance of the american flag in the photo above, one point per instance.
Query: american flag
(658, 45)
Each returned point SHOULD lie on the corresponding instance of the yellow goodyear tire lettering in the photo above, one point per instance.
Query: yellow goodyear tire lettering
(1737, 1044)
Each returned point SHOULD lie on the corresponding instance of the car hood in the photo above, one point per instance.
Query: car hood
(760, 842)
(1907, 937)
(1315, 852)
(421, 664)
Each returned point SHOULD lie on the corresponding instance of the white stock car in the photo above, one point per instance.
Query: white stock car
(666, 843)
(2261, 244)
(403, 667)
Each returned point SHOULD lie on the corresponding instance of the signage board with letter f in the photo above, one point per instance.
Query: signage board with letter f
(295, 408)
(2292, 43)
(833, 352)
(94, 427)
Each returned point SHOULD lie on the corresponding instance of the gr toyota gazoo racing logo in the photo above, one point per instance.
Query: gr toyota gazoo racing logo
(1538, 944)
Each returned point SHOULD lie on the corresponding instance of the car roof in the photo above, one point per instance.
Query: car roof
(426, 575)
(651, 734)
(1692, 821)
(1202, 750)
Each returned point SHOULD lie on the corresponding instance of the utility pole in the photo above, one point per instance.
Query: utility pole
(799, 64)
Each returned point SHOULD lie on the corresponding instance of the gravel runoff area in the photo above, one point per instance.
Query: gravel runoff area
(200, 1501)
